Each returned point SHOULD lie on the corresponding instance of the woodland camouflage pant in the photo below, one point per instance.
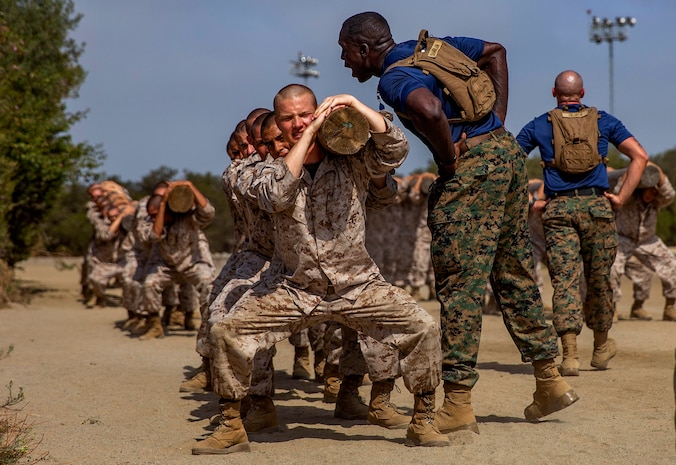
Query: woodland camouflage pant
(580, 230)
(478, 220)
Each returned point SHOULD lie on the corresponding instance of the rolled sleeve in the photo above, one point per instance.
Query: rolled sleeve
(385, 151)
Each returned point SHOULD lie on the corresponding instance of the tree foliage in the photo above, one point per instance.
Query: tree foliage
(39, 71)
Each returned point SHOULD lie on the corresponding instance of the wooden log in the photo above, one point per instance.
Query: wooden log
(181, 199)
(344, 132)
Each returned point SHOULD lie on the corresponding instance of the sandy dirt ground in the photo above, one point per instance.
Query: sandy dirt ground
(97, 396)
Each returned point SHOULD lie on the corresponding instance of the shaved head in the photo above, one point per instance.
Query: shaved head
(568, 84)
(293, 91)
(369, 27)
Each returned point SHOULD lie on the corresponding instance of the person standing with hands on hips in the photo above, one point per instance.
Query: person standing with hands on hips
(578, 218)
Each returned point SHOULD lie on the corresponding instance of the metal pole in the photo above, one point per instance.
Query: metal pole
(610, 61)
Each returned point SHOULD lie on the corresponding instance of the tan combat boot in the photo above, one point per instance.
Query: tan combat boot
(189, 321)
(200, 382)
(230, 435)
(638, 313)
(382, 412)
(176, 320)
(422, 431)
(131, 322)
(349, 406)
(301, 363)
(570, 365)
(141, 326)
(154, 329)
(552, 392)
(456, 413)
(319, 364)
(331, 383)
(669, 310)
(261, 416)
(605, 349)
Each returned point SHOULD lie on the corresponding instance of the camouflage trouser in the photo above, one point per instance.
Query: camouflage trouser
(160, 277)
(581, 235)
(654, 255)
(265, 316)
(420, 265)
(242, 270)
(478, 220)
(342, 347)
(641, 277)
(100, 274)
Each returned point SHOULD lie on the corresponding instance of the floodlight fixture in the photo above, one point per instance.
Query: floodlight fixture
(608, 30)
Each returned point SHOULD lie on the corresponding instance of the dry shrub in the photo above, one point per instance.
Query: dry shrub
(18, 441)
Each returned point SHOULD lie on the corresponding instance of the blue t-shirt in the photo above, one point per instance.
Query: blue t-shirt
(395, 86)
(538, 133)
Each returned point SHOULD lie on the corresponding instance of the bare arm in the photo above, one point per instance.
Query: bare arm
(494, 62)
(639, 158)
(430, 121)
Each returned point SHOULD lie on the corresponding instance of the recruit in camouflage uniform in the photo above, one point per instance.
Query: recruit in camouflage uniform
(181, 256)
(104, 260)
(421, 274)
(636, 225)
(328, 274)
(245, 267)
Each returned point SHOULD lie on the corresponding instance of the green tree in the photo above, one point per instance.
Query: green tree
(39, 71)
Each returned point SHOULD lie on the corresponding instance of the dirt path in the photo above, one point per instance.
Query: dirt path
(100, 397)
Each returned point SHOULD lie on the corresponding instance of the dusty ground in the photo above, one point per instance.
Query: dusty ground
(97, 396)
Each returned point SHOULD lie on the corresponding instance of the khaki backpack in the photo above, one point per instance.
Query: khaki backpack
(576, 137)
(469, 86)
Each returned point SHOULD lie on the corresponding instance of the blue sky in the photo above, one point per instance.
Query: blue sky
(168, 80)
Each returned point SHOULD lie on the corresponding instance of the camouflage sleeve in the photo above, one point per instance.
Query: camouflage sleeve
(275, 187)
(665, 193)
(204, 216)
(382, 197)
(385, 151)
(102, 230)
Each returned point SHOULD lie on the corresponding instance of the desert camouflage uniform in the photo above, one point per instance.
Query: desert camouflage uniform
(478, 220)
(328, 274)
(383, 228)
(409, 212)
(245, 267)
(641, 278)
(537, 239)
(228, 180)
(105, 258)
(181, 254)
(419, 272)
(136, 253)
(636, 225)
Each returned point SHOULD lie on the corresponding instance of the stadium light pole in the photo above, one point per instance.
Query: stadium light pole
(609, 30)
(302, 67)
